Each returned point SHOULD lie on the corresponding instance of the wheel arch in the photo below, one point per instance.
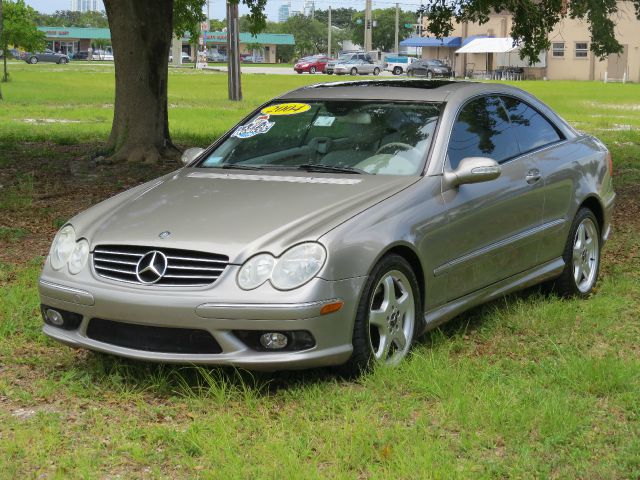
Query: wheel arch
(409, 254)
(594, 204)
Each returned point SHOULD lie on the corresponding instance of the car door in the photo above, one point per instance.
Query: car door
(493, 227)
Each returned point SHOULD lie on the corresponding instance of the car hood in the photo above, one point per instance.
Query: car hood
(232, 212)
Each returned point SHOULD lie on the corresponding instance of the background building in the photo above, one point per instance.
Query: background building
(309, 8)
(86, 6)
(569, 58)
(284, 12)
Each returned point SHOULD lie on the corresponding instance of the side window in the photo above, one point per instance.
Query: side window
(482, 129)
(531, 129)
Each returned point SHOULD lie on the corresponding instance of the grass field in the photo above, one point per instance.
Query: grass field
(530, 386)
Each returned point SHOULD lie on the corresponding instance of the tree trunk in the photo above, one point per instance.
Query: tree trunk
(5, 52)
(141, 37)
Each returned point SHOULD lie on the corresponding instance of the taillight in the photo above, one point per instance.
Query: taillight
(610, 161)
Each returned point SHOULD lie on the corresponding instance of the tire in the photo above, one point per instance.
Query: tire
(376, 71)
(62, 61)
(33, 60)
(397, 71)
(429, 74)
(581, 257)
(354, 71)
(312, 70)
(400, 321)
(299, 72)
(330, 72)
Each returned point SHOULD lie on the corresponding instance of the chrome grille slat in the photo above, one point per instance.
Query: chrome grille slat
(185, 268)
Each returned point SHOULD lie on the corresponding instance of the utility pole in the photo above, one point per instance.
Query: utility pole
(328, 34)
(397, 44)
(233, 52)
(368, 26)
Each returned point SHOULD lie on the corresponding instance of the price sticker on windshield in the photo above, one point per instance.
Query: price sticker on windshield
(286, 109)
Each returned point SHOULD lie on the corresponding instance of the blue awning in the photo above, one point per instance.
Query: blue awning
(473, 37)
(452, 42)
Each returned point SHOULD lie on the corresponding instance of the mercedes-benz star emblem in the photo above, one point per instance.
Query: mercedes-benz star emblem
(151, 267)
(164, 234)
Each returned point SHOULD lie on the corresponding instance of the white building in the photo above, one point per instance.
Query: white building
(309, 8)
(86, 6)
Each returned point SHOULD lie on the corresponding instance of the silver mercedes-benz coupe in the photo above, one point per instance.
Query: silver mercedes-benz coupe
(333, 226)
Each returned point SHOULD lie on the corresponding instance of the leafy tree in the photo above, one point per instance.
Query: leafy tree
(341, 18)
(141, 35)
(19, 29)
(533, 20)
(68, 18)
(217, 25)
(383, 36)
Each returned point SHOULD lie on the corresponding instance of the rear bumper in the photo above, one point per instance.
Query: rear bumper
(332, 332)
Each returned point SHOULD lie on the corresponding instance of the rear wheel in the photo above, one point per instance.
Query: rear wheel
(387, 318)
(354, 71)
(312, 70)
(581, 256)
(62, 61)
(33, 60)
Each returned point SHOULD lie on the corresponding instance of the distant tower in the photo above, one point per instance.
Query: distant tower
(284, 12)
(309, 8)
(86, 6)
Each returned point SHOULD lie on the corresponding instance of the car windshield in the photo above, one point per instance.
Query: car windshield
(373, 137)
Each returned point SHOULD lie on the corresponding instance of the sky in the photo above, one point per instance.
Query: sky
(217, 8)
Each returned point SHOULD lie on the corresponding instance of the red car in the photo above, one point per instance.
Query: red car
(316, 63)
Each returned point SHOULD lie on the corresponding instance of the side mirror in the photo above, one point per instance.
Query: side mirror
(190, 154)
(473, 170)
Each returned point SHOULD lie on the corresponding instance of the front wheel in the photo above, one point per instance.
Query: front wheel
(354, 71)
(387, 318)
(376, 71)
(312, 70)
(62, 61)
(581, 256)
(33, 60)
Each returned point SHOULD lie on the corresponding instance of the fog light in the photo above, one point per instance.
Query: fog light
(55, 317)
(273, 341)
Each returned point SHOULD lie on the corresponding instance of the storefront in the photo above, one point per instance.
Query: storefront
(71, 40)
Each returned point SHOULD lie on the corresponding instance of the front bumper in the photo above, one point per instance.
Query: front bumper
(204, 310)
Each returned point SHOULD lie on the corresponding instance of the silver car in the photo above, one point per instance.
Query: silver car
(334, 225)
(357, 67)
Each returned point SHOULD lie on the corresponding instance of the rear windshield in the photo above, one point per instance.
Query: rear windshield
(384, 138)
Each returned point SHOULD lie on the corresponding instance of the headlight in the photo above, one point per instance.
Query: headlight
(256, 271)
(79, 257)
(298, 265)
(62, 247)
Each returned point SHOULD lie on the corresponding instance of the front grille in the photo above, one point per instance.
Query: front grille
(185, 268)
(152, 339)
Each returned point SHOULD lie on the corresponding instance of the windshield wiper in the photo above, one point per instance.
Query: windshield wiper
(239, 166)
(316, 167)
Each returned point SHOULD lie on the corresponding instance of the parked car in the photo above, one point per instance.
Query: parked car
(216, 57)
(251, 58)
(46, 56)
(184, 57)
(357, 67)
(398, 65)
(349, 219)
(103, 55)
(13, 53)
(312, 64)
(429, 69)
(346, 57)
(83, 55)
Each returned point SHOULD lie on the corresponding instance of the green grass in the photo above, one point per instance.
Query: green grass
(531, 386)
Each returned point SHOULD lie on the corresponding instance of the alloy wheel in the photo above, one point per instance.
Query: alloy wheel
(586, 253)
(392, 318)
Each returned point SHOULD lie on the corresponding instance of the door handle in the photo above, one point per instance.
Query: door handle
(533, 176)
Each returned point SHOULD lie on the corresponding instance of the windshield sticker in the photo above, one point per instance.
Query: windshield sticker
(324, 121)
(286, 109)
(258, 126)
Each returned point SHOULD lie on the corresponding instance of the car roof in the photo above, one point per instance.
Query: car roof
(404, 90)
